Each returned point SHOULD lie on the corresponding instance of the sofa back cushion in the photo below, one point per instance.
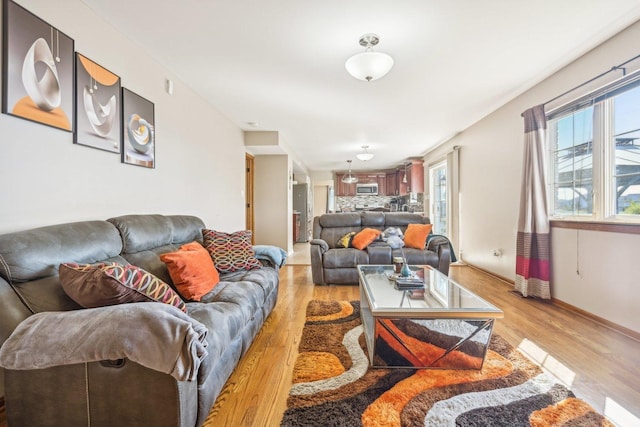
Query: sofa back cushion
(403, 219)
(373, 219)
(29, 259)
(331, 227)
(146, 237)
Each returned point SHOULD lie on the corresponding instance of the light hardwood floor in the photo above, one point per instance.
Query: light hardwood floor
(599, 365)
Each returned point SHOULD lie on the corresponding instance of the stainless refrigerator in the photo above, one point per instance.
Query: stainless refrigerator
(302, 204)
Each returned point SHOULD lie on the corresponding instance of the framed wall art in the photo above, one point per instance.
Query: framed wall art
(38, 66)
(97, 106)
(138, 133)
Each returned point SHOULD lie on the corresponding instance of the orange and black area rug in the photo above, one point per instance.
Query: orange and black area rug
(334, 386)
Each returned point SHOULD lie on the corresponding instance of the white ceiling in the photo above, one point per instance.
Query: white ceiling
(280, 63)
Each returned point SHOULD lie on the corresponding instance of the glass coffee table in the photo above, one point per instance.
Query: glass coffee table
(441, 325)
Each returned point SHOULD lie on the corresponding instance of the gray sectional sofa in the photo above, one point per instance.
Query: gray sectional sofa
(334, 265)
(121, 391)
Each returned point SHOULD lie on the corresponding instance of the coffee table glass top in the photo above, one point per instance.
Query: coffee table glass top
(440, 296)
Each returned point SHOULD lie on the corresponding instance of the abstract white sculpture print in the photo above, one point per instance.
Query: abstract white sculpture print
(45, 92)
(101, 117)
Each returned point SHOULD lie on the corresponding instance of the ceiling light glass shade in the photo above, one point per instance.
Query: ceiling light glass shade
(369, 65)
(365, 155)
(349, 179)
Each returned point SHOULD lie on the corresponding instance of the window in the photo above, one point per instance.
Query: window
(595, 156)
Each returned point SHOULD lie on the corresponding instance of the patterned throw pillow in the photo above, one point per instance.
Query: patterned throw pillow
(345, 241)
(101, 284)
(230, 252)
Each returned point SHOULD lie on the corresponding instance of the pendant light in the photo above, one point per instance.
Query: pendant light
(349, 178)
(404, 179)
(369, 65)
(365, 155)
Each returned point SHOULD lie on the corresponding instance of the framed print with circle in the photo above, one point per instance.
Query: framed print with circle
(97, 106)
(38, 67)
(138, 130)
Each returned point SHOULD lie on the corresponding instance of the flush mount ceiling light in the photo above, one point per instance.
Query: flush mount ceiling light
(349, 178)
(369, 65)
(365, 155)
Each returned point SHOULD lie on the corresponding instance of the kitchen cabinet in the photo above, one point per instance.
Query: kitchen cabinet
(343, 189)
(367, 178)
(389, 183)
(391, 179)
(296, 226)
(415, 178)
(381, 179)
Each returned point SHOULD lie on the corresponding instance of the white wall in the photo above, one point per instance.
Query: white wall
(46, 179)
(272, 201)
(600, 278)
(490, 174)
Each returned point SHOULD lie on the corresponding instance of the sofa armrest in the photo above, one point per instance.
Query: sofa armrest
(323, 246)
(155, 335)
(273, 256)
(442, 247)
(317, 248)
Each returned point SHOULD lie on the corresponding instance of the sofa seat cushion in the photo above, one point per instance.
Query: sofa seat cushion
(344, 258)
(417, 256)
(266, 280)
(224, 322)
(228, 308)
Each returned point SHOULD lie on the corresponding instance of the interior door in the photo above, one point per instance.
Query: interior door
(249, 196)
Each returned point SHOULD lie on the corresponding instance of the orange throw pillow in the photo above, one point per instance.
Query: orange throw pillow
(365, 237)
(192, 271)
(416, 235)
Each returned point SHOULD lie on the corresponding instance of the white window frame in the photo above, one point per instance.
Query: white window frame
(603, 152)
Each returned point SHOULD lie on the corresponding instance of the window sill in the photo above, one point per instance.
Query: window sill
(613, 227)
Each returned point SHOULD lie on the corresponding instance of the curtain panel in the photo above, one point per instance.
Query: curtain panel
(533, 241)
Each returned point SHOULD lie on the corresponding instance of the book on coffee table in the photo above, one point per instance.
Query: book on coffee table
(408, 283)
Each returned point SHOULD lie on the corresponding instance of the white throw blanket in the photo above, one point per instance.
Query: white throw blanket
(155, 335)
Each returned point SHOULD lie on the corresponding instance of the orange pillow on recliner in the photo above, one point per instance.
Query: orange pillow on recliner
(365, 237)
(192, 271)
(416, 235)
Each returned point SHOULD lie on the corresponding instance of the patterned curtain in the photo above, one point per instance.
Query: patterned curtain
(532, 247)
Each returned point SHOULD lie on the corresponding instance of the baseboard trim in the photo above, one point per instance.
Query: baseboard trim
(504, 280)
(607, 323)
(604, 322)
